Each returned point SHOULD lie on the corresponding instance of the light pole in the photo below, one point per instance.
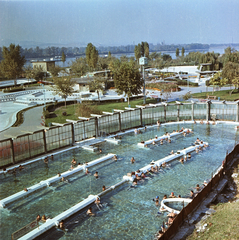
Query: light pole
(143, 61)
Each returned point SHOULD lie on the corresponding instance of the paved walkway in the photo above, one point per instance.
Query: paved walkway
(32, 122)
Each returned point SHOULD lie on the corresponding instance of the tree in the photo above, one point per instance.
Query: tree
(64, 86)
(183, 51)
(79, 66)
(127, 79)
(28, 72)
(137, 51)
(38, 73)
(91, 55)
(63, 57)
(177, 52)
(55, 71)
(231, 72)
(13, 62)
(217, 80)
(97, 85)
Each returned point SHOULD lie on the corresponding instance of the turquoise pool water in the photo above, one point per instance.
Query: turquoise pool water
(129, 213)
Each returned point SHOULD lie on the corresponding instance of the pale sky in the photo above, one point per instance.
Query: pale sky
(119, 22)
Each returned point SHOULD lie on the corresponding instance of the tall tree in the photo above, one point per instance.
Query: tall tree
(137, 51)
(91, 55)
(177, 52)
(13, 62)
(183, 51)
(64, 86)
(63, 57)
(127, 79)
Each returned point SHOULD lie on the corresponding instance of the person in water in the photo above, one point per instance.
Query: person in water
(97, 202)
(172, 195)
(103, 188)
(73, 162)
(156, 200)
(62, 225)
(89, 212)
(96, 175)
(38, 218)
(132, 160)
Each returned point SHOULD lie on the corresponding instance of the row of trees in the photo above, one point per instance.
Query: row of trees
(52, 51)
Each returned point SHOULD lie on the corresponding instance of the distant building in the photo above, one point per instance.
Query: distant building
(45, 65)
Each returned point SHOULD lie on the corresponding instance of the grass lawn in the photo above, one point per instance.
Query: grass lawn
(103, 107)
(224, 95)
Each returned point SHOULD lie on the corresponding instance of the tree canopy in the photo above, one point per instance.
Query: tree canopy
(64, 86)
(91, 55)
(13, 62)
(127, 79)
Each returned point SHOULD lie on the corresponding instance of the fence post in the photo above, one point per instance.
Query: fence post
(208, 110)
(44, 140)
(165, 111)
(12, 150)
(193, 111)
(178, 110)
(73, 133)
(141, 117)
(237, 112)
(119, 121)
(96, 127)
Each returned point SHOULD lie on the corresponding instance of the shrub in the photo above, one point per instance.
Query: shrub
(64, 113)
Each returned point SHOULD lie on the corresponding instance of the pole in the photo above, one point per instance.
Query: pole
(144, 87)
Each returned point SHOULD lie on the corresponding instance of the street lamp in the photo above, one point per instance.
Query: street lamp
(143, 61)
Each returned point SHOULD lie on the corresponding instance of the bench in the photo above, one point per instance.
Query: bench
(212, 97)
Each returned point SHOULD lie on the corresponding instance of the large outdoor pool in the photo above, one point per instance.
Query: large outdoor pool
(128, 213)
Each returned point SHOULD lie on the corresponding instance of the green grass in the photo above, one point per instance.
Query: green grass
(224, 95)
(222, 224)
(103, 107)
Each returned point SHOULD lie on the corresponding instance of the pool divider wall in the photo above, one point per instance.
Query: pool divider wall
(163, 137)
(51, 180)
(178, 154)
(50, 223)
(187, 200)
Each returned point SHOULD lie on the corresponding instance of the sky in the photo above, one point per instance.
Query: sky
(119, 22)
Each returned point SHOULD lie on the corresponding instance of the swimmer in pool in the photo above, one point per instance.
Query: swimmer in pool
(132, 160)
(189, 155)
(73, 162)
(181, 160)
(97, 202)
(172, 195)
(103, 188)
(156, 200)
(38, 218)
(96, 175)
(100, 150)
(115, 158)
(87, 171)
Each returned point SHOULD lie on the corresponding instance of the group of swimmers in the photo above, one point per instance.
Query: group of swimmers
(42, 219)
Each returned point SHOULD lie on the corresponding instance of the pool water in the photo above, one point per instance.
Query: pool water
(129, 213)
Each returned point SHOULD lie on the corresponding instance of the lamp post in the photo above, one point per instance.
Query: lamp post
(143, 61)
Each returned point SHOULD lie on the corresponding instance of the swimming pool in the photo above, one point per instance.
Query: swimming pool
(130, 213)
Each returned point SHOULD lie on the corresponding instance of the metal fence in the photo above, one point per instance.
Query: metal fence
(26, 146)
